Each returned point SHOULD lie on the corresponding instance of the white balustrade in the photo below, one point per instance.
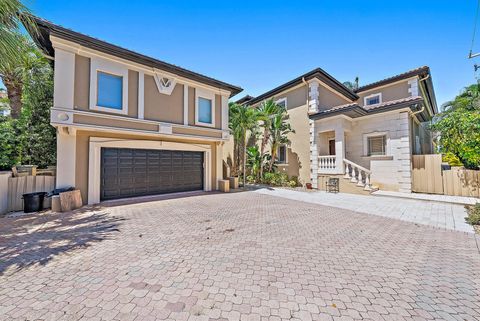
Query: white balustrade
(357, 174)
(327, 163)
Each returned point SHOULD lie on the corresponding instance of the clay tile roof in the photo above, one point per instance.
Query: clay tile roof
(394, 102)
(424, 70)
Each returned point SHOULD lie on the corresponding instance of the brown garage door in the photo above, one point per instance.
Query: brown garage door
(129, 172)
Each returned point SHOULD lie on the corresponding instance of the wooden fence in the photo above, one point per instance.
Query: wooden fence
(26, 184)
(427, 174)
(428, 177)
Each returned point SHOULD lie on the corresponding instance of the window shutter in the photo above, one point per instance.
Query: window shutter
(376, 145)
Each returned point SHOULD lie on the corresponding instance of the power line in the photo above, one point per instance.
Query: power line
(472, 55)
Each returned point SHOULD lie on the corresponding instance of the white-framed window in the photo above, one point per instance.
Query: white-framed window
(375, 144)
(204, 108)
(372, 100)
(282, 154)
(108, 86)
(282, 102)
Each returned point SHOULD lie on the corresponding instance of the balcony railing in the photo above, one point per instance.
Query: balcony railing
(327, 164)
(357, 174)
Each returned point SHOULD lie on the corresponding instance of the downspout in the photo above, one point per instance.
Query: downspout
(308, 100)
(424, 94)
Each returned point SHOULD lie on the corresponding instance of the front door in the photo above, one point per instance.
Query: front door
(331, 146)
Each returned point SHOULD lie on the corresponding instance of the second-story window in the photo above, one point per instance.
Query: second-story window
(373, 100)
(204, 110)
(109, 91)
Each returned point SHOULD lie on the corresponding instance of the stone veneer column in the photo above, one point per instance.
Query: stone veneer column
(313, 105)
(404, 155)
(313, 155)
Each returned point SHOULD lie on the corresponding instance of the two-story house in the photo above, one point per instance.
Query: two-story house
(366, 136)
(131, 125)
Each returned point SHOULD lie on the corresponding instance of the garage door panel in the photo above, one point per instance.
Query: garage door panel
(137, 172)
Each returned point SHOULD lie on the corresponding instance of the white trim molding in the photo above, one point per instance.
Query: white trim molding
(371, 96)
(200, 93)
(109, 67)
(413, 87)
(64, 78)
(165, 84)
(141, 95)
(225, 112)
(185, 104)
(97, 143)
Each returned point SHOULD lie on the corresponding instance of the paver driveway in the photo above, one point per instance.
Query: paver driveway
(234, 256)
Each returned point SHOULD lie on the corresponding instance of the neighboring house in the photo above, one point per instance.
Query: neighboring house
(367, 135)
(130, 125)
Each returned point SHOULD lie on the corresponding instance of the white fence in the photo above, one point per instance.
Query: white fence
(12, 189)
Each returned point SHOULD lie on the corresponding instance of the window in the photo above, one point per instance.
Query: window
(109, 91)
(282, 102)
(282, 154)
(373, 100)
(109, 86)
(204, 107)
(376, 145)
(204, 110)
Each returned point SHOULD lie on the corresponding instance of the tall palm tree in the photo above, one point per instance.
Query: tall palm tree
(279, 129)
(12, 14)
(243, 120)
(13, 70)
(267, 110)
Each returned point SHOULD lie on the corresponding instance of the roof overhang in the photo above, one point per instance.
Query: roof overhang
(317, 73)
(356, 111)
(45, 29)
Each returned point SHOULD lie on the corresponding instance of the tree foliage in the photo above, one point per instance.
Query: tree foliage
(30, 139)
(267, 125)
(459, 127)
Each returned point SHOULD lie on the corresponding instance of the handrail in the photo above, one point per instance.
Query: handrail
(357, 166)
(327, 156)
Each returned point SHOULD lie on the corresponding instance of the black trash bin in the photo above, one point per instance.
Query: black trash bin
(33, 202)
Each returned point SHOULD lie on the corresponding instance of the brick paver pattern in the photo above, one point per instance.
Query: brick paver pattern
(241, 256)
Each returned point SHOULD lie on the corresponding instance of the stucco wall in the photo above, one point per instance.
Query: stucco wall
(392, 92)
(391, 172)
(161, 107)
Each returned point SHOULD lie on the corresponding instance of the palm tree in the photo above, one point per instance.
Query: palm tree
(13, 70)
(12, 14)
(243, 119)
(279, 130)
(267, 110)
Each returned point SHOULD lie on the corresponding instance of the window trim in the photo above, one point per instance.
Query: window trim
(286, 155)
(108, 67)
(371, 96)
(200, 93)
(281, 100)
(376, 134)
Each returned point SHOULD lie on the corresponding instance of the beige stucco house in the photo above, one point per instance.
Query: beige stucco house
(130, 125)
(367, 135)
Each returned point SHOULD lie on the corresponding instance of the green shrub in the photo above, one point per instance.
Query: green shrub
(451, 159)
(473, 217)
(292, 183)
(268, 178)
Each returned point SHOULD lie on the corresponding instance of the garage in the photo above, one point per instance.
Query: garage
(129, 172)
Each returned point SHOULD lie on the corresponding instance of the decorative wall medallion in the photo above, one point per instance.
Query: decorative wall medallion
(165, 84)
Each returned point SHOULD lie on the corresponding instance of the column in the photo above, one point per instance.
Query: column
(66, 154)
(339, 149)
(313, 155)
(313, 103)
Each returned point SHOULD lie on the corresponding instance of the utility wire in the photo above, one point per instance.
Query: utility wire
(474, 32)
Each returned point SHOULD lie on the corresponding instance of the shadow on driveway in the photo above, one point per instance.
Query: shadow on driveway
(36, 239)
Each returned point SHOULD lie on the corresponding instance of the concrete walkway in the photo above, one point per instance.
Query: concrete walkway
(437, 214)
(462, 200)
